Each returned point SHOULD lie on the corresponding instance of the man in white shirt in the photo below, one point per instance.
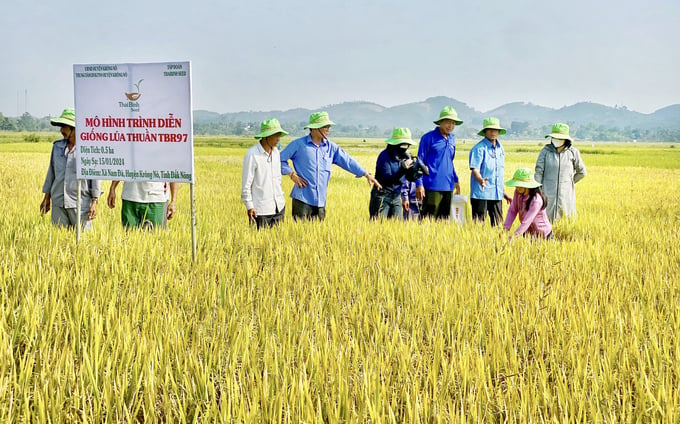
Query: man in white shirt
(261, 191)
(144, 203)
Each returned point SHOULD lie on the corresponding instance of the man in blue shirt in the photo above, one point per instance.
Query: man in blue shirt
(487, 164)
(312, 158)
(437, 150)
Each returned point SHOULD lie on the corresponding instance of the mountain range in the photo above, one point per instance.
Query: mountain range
(418, 116)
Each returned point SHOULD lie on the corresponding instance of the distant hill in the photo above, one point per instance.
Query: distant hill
(524, 120)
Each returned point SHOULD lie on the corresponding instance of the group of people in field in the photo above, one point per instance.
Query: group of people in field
(406, 186)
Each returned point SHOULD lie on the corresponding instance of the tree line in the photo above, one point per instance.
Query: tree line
(516, 130)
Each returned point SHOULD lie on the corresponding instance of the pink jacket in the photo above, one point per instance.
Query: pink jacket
(533, 220)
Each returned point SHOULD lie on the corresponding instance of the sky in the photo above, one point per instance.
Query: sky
(252, 55)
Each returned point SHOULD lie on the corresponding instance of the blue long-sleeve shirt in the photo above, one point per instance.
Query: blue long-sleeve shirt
(490, 161)
(313, 163)
(438, 152)
(389, 172)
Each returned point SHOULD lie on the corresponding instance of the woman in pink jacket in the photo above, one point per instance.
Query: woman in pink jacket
(529, 203)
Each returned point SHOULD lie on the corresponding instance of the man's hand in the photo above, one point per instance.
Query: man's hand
(252, 214)
(456, 188)
(405, 204)
(45, 204)
(420, 193)
(298, 180)
(372, 181)
(171, 210)
(111, 198)
(507, 198)
(92, 212)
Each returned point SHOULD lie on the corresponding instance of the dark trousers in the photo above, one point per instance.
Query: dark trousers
(269, 220)
(385, 204)
(493, 207)
(437, 204)
(302, 210)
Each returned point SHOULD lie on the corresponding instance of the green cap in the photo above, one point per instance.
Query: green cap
(560, 131)
(448, 113)
(492, 123)
(68, 118)
(270, 127)
(400, 136)
(523, 177)
(318, 120)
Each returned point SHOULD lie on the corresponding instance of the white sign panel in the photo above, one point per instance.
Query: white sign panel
(134, 122)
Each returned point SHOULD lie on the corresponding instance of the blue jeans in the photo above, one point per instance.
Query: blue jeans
(385, 204)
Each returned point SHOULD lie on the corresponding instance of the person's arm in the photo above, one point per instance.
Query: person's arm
(478, 177)
(540, 166)
(47, 185)
(174, 189)
(111, 198)
(512, 213)
(456, 184)
(423, 148)
(404, 192)
(287, 154)
(475, 160)
(94, 190)
(530, 215)
(579, 167)
(349, 164)
(383, 167)
(247, 177)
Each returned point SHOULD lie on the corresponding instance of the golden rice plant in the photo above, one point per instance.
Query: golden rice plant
(345, 320)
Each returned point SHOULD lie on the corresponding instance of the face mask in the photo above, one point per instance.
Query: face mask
(557, 142)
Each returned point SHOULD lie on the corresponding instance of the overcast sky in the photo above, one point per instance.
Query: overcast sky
(277, 55)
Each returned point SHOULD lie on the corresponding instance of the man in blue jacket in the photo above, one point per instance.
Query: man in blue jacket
(437, 150)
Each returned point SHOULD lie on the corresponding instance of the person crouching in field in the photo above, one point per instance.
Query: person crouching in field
(61, 184)
(390, 170)
(261, 178)
(529, 203)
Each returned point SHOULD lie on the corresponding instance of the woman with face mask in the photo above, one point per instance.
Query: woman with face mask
(559, 167)
(390, 171)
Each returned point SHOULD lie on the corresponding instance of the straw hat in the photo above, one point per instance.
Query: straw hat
(270, 127)
(523, 177)
(400, 136)
(448, 113)
(492, 123)
(67, 118)
(318, 120)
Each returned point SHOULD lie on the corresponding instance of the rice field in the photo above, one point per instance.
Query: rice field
(344, 320)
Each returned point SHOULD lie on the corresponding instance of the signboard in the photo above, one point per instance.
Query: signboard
(134, 122)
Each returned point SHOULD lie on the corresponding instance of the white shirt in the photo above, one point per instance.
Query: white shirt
(144, 191)
(261, 181)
